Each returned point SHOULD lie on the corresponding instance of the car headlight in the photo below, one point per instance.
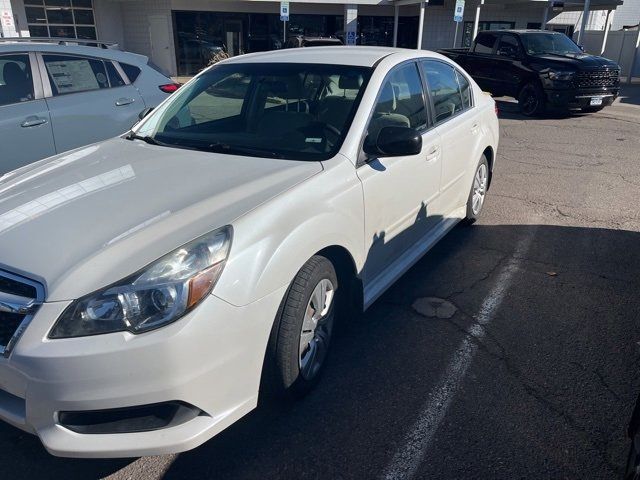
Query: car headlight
(155, 296)
(562, 75)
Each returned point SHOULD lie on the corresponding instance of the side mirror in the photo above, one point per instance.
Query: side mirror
(581, 47)
(145, 112)
(395, 142)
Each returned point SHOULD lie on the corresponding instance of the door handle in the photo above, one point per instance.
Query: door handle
(475, 128)
(433, 154)
(33, 121)
(124, 101)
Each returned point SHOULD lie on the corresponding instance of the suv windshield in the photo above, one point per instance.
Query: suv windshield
(549, 43)
(289, 110)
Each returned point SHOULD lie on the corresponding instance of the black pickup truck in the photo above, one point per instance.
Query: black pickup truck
(539, 68)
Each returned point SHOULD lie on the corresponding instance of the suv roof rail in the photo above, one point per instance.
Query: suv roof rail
(63, 41)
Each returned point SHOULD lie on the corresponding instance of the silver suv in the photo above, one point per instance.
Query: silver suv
(55, 96)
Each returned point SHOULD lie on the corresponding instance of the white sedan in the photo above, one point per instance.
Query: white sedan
(153, 286)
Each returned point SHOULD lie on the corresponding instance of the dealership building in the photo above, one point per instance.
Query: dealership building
(181, 36)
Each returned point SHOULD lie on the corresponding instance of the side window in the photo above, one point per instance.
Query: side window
(508, 46)
(485, 42)
(401, 102)
(131, 71)
(69, 74)
(115, 79)
(443, 86)
(16, 85)
(465, 90)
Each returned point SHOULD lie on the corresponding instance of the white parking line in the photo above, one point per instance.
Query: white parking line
(406, 461)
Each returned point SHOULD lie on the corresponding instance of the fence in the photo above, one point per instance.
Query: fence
(621, 47)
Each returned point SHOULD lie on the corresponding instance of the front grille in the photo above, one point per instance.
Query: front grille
(602, 77)
(9, 323)
(19, 300)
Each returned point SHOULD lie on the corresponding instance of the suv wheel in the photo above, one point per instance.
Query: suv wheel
(302, 334)
(531, 100)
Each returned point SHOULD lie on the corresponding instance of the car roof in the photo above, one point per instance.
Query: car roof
(337, 55)
(522, 30)
(8, 46)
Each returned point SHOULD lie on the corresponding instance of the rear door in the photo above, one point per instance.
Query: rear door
(88, 98)
(459, 128)
(481, 62)
(25, 125)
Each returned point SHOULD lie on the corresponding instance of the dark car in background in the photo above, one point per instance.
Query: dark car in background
(540, 69)
(302, 41)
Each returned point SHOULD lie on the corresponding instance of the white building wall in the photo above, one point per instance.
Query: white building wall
(109, 24)
(628, 14)
(19, 15)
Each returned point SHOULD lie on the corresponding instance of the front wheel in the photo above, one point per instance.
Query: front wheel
(478, 192)
(302, 334)
(531, 100)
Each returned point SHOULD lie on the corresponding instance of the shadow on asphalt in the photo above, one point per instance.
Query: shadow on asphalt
(630, 95)
(509, 110)
(384, 366)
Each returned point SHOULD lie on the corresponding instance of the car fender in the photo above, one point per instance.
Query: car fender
(273, 242)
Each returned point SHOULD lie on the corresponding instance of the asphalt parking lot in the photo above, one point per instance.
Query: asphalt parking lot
(510, 351)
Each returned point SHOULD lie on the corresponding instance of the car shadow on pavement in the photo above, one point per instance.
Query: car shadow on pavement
(384, 366)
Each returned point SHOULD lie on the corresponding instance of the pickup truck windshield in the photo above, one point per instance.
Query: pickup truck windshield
(548, 43)
(289, 110)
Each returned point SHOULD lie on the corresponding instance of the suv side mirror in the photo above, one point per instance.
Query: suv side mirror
(395, 142)
(145, 112)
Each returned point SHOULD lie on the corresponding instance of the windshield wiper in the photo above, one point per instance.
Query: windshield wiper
(146, 138)
(220, 147)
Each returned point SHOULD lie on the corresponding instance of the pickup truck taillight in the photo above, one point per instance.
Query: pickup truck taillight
(169, 87)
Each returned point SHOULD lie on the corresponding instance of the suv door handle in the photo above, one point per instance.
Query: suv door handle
(33, 121)
(433, 154)
(475, 128)
(124, 101)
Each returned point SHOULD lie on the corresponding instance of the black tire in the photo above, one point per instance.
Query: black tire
(284, 374)
(474, 214)
(531, 100)
(591, 109)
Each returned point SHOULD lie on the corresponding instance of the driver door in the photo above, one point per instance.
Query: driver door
(400, 193)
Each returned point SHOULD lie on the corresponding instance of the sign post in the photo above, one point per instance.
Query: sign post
(284, 18)
(458, 15)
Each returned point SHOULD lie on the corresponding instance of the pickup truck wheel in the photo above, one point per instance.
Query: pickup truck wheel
(531, 100)
(302, 334)
(478, 192)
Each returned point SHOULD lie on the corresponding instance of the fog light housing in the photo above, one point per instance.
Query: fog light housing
(142, 418)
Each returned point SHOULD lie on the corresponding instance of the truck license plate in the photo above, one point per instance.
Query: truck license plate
(596, 101)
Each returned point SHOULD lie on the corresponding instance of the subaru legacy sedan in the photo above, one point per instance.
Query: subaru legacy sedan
(155, 285)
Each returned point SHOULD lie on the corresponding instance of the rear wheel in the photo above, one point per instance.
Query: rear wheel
(531, 100)
(478, 192)
(301, 337)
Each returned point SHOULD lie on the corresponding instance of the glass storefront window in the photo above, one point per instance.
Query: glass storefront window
(61, 18)
(200, 36)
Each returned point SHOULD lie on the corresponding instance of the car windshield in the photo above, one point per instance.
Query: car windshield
(288, 110)
(549, 43)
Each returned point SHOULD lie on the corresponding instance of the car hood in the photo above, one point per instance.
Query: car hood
(83, 220)
(579, 61)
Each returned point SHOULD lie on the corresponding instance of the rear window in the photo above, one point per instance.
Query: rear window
(131, 71)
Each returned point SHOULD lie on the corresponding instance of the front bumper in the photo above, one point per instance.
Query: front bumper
(579, 98)
(211, 359)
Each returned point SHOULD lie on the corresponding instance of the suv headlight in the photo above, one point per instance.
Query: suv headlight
(562, 75)
(155, 296)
